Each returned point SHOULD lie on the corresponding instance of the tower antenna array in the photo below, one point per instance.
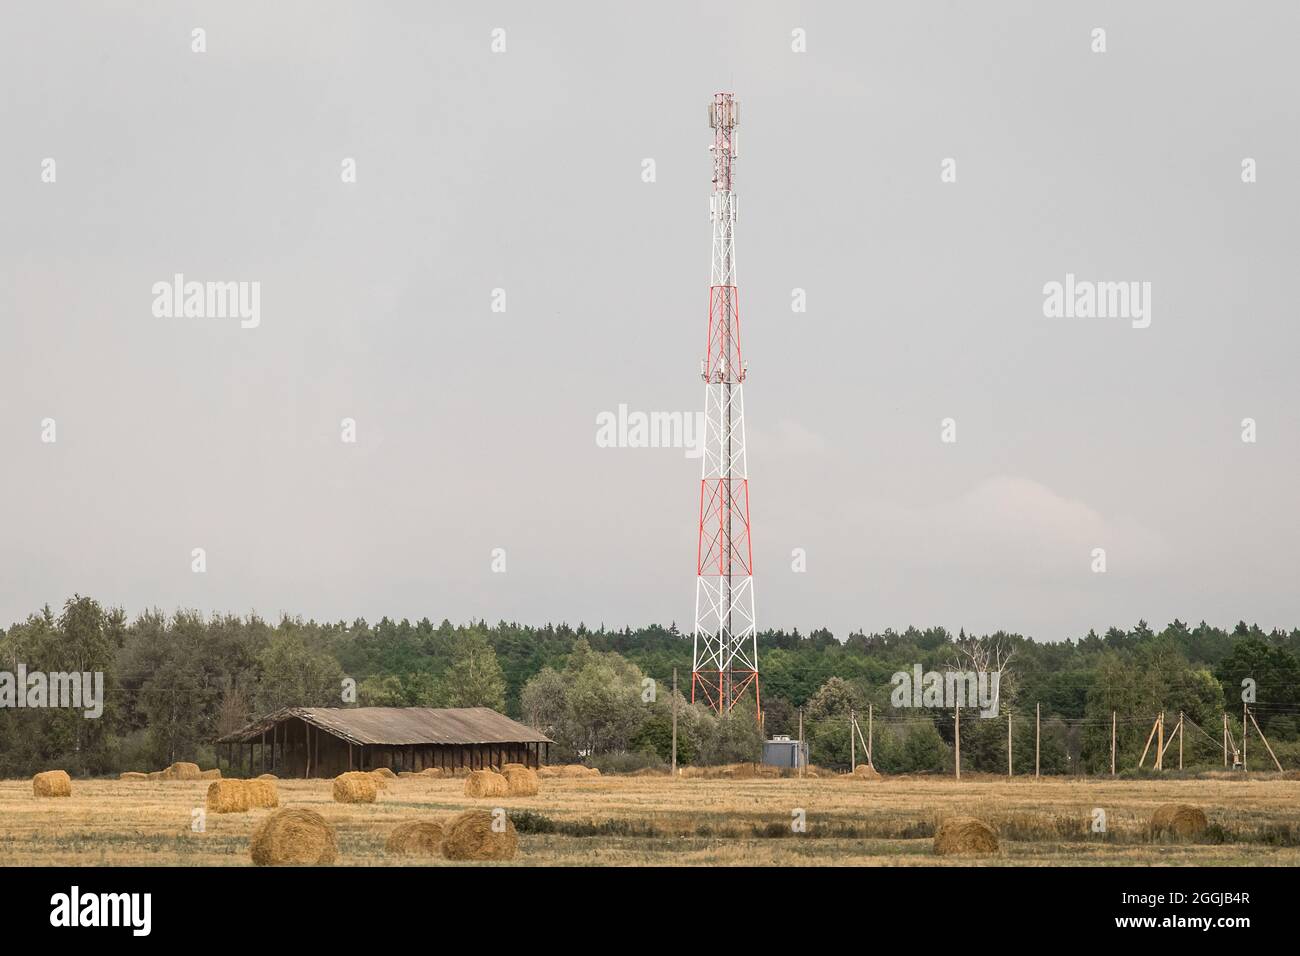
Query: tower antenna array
(726, 639)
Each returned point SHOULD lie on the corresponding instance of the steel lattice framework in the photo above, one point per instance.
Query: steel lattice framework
(726, 637)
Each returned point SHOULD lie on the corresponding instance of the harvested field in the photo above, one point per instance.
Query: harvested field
(652, 820)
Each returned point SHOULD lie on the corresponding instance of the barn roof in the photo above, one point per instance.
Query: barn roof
(400, 725)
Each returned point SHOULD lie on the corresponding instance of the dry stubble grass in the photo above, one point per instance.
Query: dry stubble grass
(656, 820)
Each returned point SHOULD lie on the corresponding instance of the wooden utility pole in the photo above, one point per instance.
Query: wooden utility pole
(956, 737)
(1008, 743)
(1038, 732)
(1225, 740)
(1243, 736)
(871, 740)
(1150, 737)
(1178, 732)
(1267, 745)
(674, 767)
(853, 742)
(1160, 741)
(1112, 743)
(798, 756)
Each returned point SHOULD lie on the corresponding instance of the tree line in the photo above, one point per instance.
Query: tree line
(174, 682)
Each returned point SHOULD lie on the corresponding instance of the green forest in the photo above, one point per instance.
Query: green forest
(174, 682)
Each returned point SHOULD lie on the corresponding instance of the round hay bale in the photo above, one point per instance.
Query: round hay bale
(865, 771)
(486, 783)
(262, 793)
(470, 836)
(155, 775)
(355, 787)
(267, 776)
(416, 838)
(132, 775)
(546, 772)
(521, 782)
(1179, 819)
(213, 774)
(385, 772)
(293, 838)
(574, 770)
(410, 773)
(965, 836)
(52, 783)
(432, 772)
(228, 796)
(182, 771)
(379, 780)
(512, 766)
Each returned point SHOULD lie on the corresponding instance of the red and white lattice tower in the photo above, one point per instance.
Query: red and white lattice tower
(726, 638)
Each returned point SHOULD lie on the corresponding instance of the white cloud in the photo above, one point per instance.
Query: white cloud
(1008, 524)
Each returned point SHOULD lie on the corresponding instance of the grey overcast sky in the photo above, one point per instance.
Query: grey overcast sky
(522, 170)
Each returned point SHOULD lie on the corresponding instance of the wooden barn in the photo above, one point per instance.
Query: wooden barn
(326, 741)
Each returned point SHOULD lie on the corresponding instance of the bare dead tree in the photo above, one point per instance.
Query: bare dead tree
(233, 709)
(991, 654)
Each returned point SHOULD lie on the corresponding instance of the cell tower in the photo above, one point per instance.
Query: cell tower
(726, 638)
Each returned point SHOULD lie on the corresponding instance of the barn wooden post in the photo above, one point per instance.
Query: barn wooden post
(264, 751)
